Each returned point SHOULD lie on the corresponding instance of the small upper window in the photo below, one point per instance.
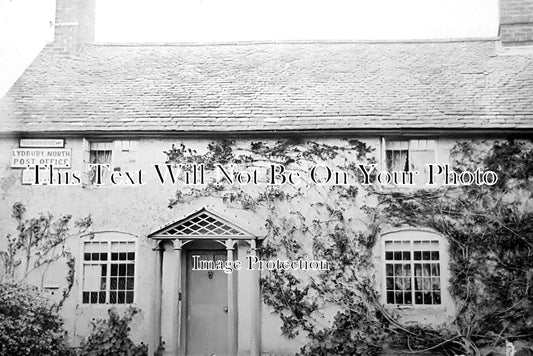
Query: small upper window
(117, 155)
(413, 270)
(409, 155)
(108, 272)
(100, 153)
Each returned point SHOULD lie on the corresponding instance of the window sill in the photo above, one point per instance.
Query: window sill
(416, 307)
(104, 306)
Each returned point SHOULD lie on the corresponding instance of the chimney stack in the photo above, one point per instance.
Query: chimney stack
(74, 24)
(516, 23)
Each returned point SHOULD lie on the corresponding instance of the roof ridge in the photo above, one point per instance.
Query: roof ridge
(282, 42)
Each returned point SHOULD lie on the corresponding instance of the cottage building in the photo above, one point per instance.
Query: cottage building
(124, 105)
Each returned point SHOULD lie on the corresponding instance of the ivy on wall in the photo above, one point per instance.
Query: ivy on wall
(489, 230)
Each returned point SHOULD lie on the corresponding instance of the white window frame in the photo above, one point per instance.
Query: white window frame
(412, 145)
(124, 155)
(107, 238)
(410, 234)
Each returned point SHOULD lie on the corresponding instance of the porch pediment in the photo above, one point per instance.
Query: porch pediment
(202, 224)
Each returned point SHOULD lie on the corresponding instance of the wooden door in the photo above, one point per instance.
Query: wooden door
(207, 307)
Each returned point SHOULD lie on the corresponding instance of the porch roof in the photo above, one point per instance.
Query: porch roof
(202, 224)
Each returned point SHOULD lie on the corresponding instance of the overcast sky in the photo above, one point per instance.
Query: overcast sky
(25, 25)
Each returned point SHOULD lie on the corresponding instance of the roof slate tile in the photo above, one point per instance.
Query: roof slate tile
(273, 86)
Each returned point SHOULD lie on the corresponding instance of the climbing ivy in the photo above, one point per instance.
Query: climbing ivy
(489, 230)
(111, 336)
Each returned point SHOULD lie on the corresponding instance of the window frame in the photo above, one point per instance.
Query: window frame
(410, 143)
(124, 156)
(412, 234)
(108, 238)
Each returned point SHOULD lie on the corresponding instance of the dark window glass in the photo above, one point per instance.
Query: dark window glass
(121, 297)
(129, 297)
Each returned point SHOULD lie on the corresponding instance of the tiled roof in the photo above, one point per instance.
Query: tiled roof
(273, 86)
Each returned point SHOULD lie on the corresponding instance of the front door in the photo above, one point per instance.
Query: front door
(207, 307)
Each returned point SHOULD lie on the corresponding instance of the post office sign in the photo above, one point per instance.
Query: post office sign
(24, 157)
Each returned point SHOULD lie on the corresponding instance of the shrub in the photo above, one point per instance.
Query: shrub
(110, 337)
(28, 324)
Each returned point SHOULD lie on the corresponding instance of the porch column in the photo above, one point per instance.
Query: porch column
(232, 332)
(157, 299)
(169, 302)
(255, 342)
(176, 317)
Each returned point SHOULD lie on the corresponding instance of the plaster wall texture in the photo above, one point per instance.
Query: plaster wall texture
(139, 210)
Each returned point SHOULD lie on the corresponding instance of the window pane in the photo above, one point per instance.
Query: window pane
(407, 283)
(85, 297)
(399, 297)
(397, 160)
(129, 283)
(418, 298)
(129, 297)
(419, 159)
(426, 283)
(426, 270)
(114, 284)
(121, 297)
(435, 283)
(407, 298)
(390, 283)
(389, 269)
(407, 270)
(427, 298)
(91, 277)
(390, 297)
(435, 269)
(388, 255)
(130, 269)
(398, 271)
(436, 298)
(398, 284)
(418, 283)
